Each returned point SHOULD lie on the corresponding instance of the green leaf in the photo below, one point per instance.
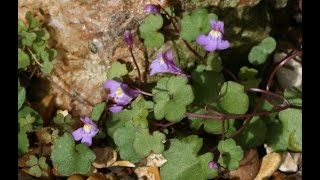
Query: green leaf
(23, 142)
(153, 39)
(23, 59)
(52, 54)
(39, 47)
(42, 163)
(70, 158)
(140, 119)
(124, 138)
(21, 96)
(172, 96)
(28, 38)
(118, 120)
(233, 99)
(253, 135)
(33, 160)
(152, 22)
(117, 70)
(293, 96)
(246, 73)
(259, 54)
(97, 111)
(269, 45)
(145, 143)
(47, 67)
(21, 27)
(195, 24)
(207, 85)
(215, 126)
(33, 22)
(44, 55)
(287, 133)
(214, 63)
(183, 161)
(148, 31)
(231, 154)
(35, 171)
(25, 123)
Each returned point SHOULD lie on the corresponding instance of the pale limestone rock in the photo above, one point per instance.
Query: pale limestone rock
(270, 163)
(288, 165)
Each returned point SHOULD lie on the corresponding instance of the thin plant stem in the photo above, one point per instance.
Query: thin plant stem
(136, 64)
(34, 57)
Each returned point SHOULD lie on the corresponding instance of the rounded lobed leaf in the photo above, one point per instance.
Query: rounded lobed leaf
(231, 154)
(233, 99)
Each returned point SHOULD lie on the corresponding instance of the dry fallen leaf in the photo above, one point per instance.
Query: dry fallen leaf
(270, 163)
(123, 164)
(155, 160)
(76, 177)
(148, 173)
(105, 157)
(97, 176)
(249, 166)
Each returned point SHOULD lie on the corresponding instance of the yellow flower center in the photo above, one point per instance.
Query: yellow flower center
(215, 33)
(87, 128)
(161, 60)
(119, 92)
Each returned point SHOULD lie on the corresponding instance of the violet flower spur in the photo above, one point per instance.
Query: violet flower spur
(213, 165)
(152, 8)
(164, 64)
(128, 39)
(121, 94)
(87, 132)
(214, 40)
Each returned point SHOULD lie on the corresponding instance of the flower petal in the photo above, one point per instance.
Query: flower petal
(168, 56)
(78, 134)
(223, 44)
(202, 40)
(128, 91)
(115, 108)
(213, 24)
(112, 85)
(212, 45)
(220, 26)
(87, 140)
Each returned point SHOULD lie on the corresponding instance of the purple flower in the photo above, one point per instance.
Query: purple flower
(151, 8)
(164, 64)
(213, 165)
(214, 39)
(128, 39)
(86, 132)
(121, 94)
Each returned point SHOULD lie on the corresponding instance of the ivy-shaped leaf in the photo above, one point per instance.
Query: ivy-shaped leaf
(207, 85)
(149, 31)
(33, 160)
(21, 96)
(196, 23)
(28, 111)
(231, 154)
(135, 114)
(259, 54)
(35, 171)
(172, 95)
(247, 77)
(253, 135)
(136, 143)
(69, 158)
(28, 38)
(97, 111)
(183, 161)
(233, 99)
(287, 132)
(47, 67)
(23, 142)
(117, 70)
(23, 59)
(32, 21)
(145, 143)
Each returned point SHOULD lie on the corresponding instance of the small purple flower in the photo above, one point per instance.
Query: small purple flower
(213, 165)
(128, 39)
(121, 94)
(214, 39)
(86, 132)
(152, 8)
(164, 64)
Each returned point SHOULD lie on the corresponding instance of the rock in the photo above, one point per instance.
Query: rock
(288, 165)
(278, 176)
(270, 163)
(76, 177)
(249, 166)
(289, 75)
(155, 160)
(75, 27)
(97, 176)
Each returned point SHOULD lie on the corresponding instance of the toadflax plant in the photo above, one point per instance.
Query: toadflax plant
(187, 107)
